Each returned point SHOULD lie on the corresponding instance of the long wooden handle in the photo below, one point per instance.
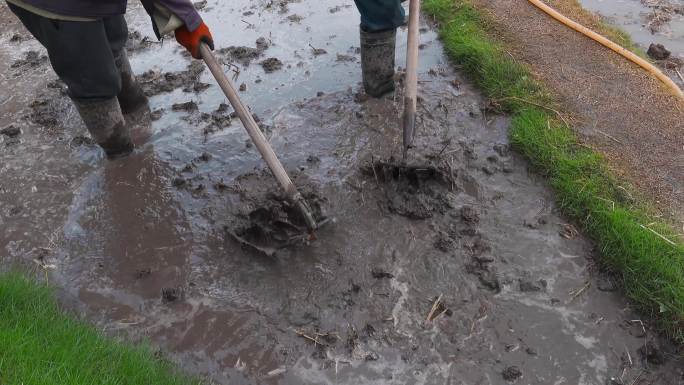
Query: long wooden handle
(248, 121)
(258, 138)
(411, 90)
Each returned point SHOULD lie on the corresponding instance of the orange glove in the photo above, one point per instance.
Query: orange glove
(192, 40)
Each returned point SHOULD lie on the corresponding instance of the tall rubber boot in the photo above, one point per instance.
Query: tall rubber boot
(132, 97)
(377, 61)
(106, 124)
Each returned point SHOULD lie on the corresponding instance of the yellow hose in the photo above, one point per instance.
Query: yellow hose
(615, 47)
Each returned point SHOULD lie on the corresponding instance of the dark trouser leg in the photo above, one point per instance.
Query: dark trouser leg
(131, 97)
(380, 15)
(379, 21)
(82, 55)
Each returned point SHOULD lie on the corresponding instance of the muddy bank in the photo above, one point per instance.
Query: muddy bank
(464, 272)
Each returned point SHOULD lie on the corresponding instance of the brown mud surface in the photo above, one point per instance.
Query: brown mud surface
(621, 110)
(461, 272)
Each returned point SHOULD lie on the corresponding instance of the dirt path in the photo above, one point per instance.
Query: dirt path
(623, 112)
(140, 246)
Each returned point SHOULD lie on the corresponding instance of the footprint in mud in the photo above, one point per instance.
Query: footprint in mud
(412, 191)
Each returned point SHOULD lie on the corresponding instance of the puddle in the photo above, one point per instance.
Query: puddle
(139, 245)
(647, 21)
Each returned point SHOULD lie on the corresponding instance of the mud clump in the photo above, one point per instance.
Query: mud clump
(528, 286)
(606, 283)
(154, 82)
(502, 149)
(156, 114)
(200, 5)
(11, 131)
(280, 5)
(262, 44)
(379, 273)
(652, 353)
(143, 273)
(345, 58)
(205, 157)
(47, 111)
(469, 215)
(269, 222)
(32, 59)
(272, 64)
(511, 373)
(58, 85)
(214, 121)
(317, 51)
(480, 265)
(486, 275)
(16, 38)
(179, 182)
(137, 42)
(295, 18)
(658, 52)
(190, 106)
(244, 55)
(412, 191)
(240, 54)
(171, 294)
(444, 242)
(80, 140)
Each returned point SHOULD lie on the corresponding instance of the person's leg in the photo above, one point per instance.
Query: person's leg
(379, 22)
(380, 15)
(131, 98)
(81, 56)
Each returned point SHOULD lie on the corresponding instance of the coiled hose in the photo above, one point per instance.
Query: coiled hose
(629, 55)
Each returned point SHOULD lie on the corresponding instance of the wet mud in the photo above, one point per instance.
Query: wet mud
(649, 23)
(157, 82)
(413, 191)
(32, 59)
(266, 221)
(455, 268)
(137, 42)
(271, 64)
(244, 55)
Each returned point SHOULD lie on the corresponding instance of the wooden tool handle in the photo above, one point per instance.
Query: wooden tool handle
(411, 90)
(258, 137)
(248, 121)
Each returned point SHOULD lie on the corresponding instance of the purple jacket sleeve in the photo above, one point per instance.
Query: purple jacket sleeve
(181, 8)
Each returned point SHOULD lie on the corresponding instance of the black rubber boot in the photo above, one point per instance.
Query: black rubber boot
(377, 61)
(106, 124)
(132, 97)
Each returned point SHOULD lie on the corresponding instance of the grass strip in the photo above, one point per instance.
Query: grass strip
(40, 344)
(636, 247)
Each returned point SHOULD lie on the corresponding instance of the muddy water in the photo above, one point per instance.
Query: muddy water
(140, 245)
(653, 21)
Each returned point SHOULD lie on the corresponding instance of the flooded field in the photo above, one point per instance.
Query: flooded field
(461, 274)
(647, 22)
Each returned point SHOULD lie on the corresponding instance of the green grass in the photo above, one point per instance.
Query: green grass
(39, 344)
(651, 268)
